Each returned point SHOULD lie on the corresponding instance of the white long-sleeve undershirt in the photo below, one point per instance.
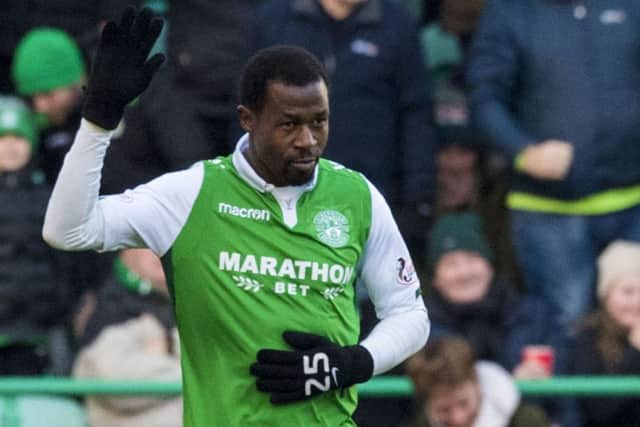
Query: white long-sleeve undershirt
(73, 221)
(153, 214)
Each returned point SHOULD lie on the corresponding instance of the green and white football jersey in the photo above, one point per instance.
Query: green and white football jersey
(240, 276)
(246, 261)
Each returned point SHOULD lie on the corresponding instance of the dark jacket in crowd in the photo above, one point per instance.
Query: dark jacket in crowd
(499, 326)
(188, 112)
(208, 45)
(34, 295)
(55, 141)
(159, 134)
(587, 360)
(115, 304)
(554, 69)
(381, 110)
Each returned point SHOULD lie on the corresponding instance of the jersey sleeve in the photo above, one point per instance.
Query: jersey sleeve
(151, 215)
(394, 288)
(386, 268)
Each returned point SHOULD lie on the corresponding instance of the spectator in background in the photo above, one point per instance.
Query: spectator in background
(33, 294)
(48, 69)
(460, 17)
(467, 298)
(207, 46)
(470, 174)
(458, 174)
(456, 390)
(380, 95)
(457, 16)
(445, 40)
(608, 341)
(131, 335)
(188, 112)
(565, 113)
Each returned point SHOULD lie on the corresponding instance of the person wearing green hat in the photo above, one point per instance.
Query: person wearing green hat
(18, 138)
(48, 70)
(34, 298)
(467, 298)
(48, 67)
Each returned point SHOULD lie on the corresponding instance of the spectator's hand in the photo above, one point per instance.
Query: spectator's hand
(550, 159)
(316, 365)
(120, 70)
(530, 370)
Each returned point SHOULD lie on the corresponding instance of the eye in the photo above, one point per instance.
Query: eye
(319, 122)
(288, 125)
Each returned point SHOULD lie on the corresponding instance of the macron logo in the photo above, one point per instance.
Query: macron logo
(249, 213)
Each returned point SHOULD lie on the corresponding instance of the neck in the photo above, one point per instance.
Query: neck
(338, 9)
(261, 169)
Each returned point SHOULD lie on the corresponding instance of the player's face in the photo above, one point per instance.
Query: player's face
(290, 133)
(455, 406)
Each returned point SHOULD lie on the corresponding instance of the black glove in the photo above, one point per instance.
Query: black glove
(315, 366)
(120, 70)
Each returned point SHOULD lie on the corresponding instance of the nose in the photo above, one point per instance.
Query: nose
(635, 299)
(458, 418)
(305, 137)
(41, 103)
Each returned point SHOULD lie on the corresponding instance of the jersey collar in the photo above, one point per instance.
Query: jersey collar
(247, 173)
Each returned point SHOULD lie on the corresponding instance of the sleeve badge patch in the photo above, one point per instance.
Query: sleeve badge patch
(405, 272)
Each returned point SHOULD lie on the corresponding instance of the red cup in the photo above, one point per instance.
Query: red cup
(542, 354)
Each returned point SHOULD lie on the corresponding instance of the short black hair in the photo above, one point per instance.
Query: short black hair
(290, 65)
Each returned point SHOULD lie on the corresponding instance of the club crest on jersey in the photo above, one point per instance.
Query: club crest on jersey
(406, 274)
(332, 228)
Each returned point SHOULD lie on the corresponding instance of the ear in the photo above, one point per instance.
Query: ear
(246, 117)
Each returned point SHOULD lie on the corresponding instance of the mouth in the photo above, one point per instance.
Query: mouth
(305, 160)
(304, 165)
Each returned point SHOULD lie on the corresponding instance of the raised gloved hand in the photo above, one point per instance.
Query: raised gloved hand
(316, 365)
(120, 70)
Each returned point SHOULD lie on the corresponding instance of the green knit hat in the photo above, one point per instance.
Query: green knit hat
(460, 231)
(46, 59)
(17, 119)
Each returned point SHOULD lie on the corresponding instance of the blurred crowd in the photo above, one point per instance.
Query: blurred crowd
(505, 135)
